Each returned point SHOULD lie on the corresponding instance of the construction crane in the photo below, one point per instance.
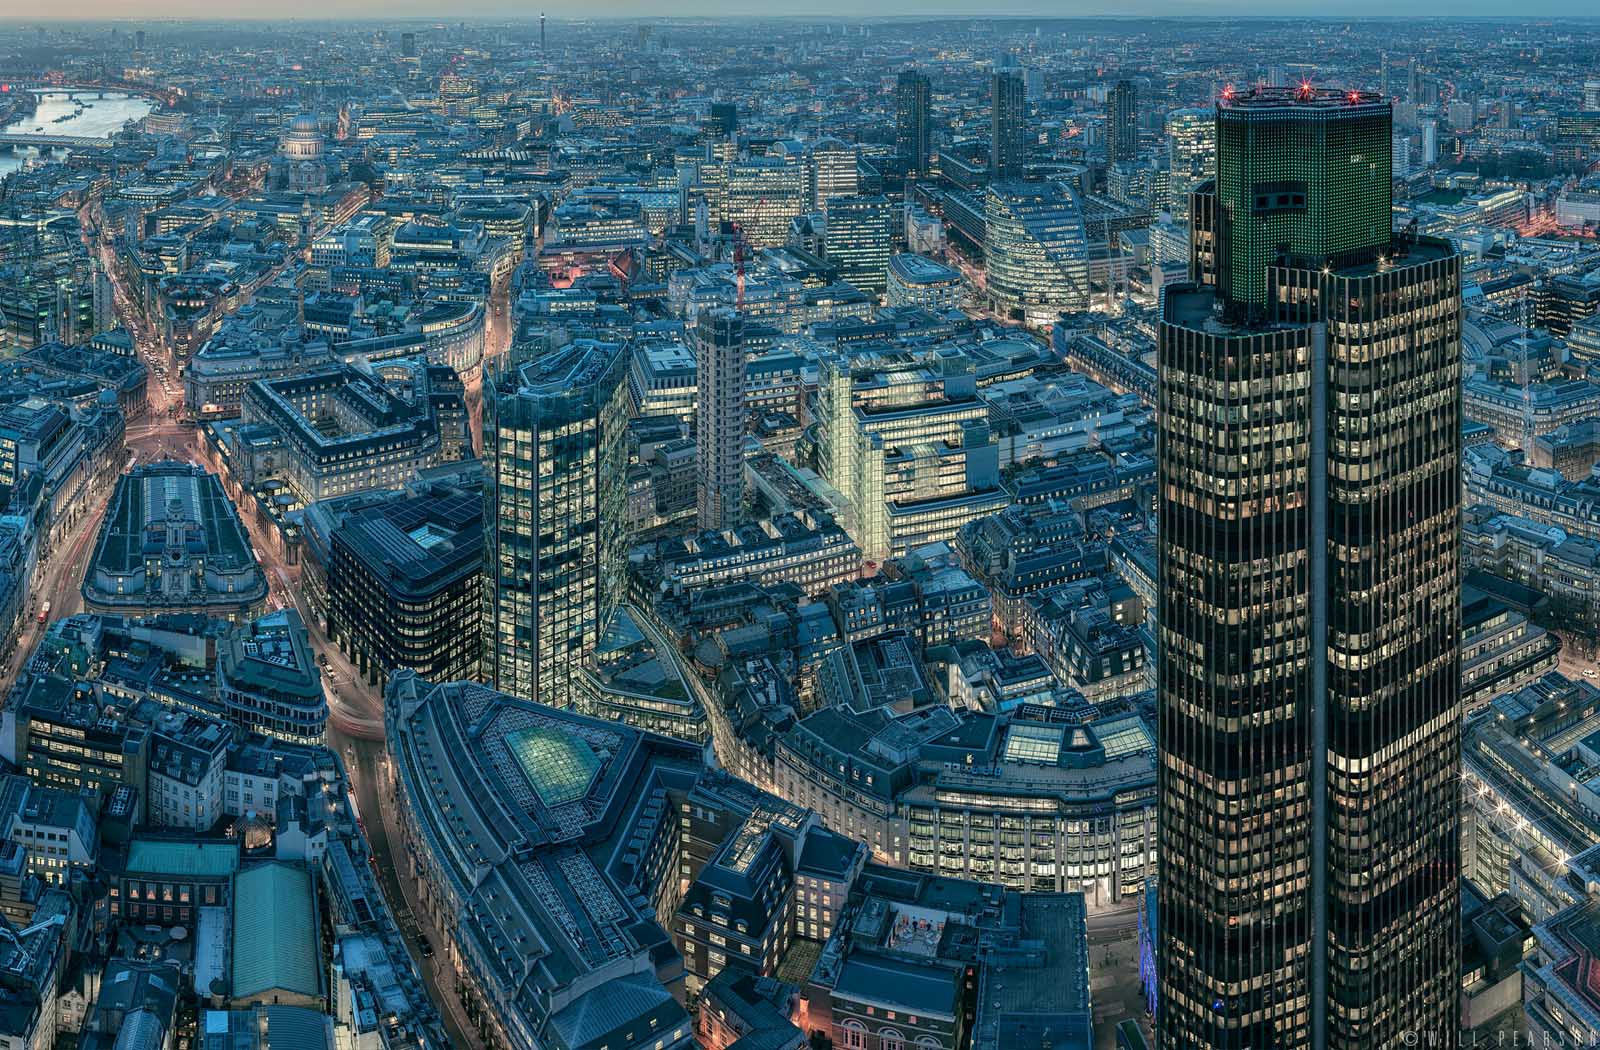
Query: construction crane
(1527, 381)
(738, 267)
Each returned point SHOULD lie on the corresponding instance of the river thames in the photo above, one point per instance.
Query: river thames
(98, 118)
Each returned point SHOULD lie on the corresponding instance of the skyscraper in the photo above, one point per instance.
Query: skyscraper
(1191, 154)
(1309, 598)
(719, 417)
(1008, 124)
(1122, 123)
(913, 136)
(555, 513)
(832, 171)
(859, 236)
(408, 45)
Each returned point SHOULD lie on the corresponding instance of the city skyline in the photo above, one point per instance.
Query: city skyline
(889, 12)
(915, 529)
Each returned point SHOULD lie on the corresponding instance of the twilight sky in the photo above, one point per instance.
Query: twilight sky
(452, 10)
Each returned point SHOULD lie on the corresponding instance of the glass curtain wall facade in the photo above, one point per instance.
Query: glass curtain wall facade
(1309, 671)
(913, 130)
(555, 514)
(1036, 251)
(1191, 155)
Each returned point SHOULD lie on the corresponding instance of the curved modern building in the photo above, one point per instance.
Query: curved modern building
(1035, 250)
(916, 280)
(536, 838)
(1037, 799)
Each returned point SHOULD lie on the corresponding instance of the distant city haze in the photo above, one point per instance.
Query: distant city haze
(390, 10)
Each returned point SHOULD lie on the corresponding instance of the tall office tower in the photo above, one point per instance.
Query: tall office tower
(1400, 155)
(724, 118)
(1591, 95)
(859, 239)
(555, 513)
(719, 417)
(1430, 143)
(764, 196)
(408, 45)
(1008, 125)
(1309, 444)
(913, 131)
(832, 171)
(1191, 155)
(1122, 123)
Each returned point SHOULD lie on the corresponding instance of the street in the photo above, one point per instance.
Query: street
(368, 765)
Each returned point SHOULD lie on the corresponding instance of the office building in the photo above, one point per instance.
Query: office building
(913, 129)
(1309, 452)
(1036, 251)
(1008, 120)
(860, 234)
(916, 280)
(764, 196)
(1301, 168)
(1191, 155)
(1122, 123)
(342, 429)
(724, 118)
(552, 849)
(268, 682)
(833, 172)
(405, 586)
(555, 526)
(719, 421)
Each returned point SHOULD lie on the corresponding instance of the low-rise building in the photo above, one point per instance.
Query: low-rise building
(172, 542)
(268, 682)
(916, 280)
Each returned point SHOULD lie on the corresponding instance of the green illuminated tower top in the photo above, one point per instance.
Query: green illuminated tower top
(1302, 172)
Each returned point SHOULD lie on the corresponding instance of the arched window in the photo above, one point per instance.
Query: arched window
(890, 1039)
(928, 1042)
(854, 1035)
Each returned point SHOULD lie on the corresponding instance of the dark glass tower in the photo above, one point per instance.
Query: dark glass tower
(555, 512)
(1122, 123)
(1009, 117)
(913, 136)
(1309, 675)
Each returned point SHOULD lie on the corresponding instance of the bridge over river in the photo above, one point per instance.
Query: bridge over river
(45, 140)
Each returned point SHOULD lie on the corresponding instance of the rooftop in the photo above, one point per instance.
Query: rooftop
(274, 932)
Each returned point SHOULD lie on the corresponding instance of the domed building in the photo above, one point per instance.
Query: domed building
(301, 166)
